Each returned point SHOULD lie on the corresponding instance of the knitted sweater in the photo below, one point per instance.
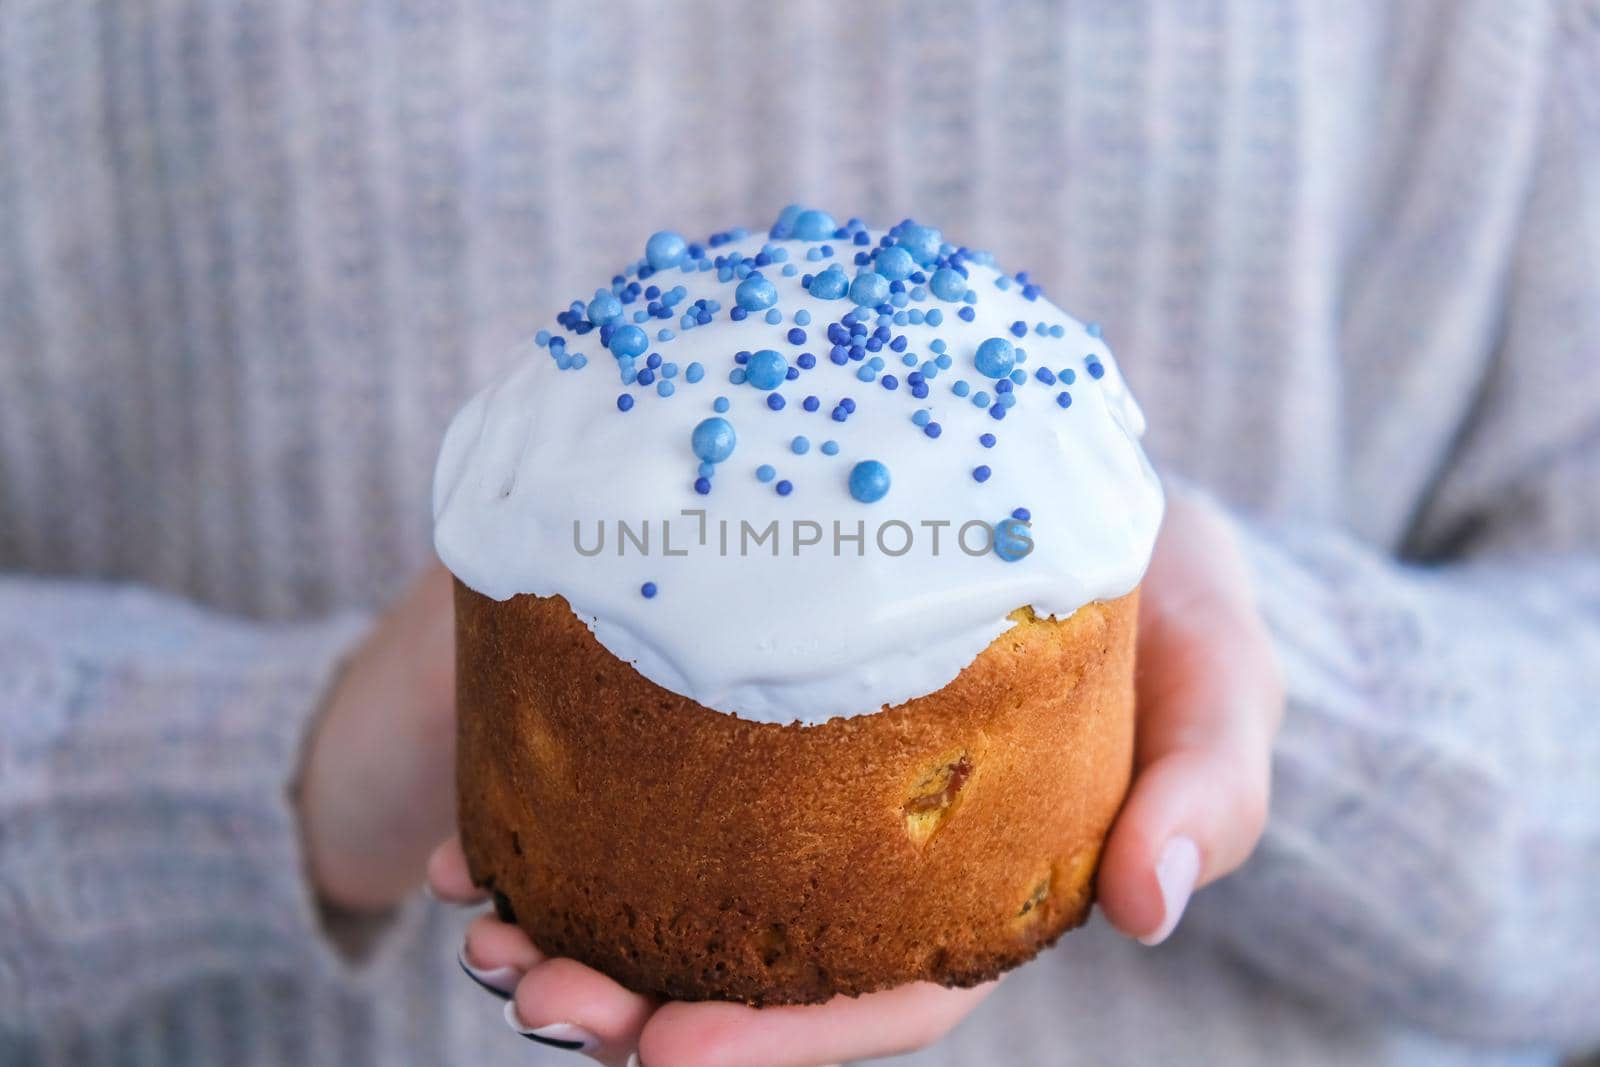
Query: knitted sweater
(253, 254)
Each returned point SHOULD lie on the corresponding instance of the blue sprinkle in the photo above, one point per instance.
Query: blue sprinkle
(831, 284)
(1044, 375)
(869, 289)
(665, 388)
(1094, 368)
(1064, 398)
(647, 377)
(774, 316)
(755, 293)
(895, 263)
(1092, 329)
(869, 481)
(814, 226)
(986, 440)
(707, 469)
(800, 445)
(1019, 376)
(1012, 540)
(653, 360)
(948, 284)
(811, 403)
(921, 417)
(995, 357)
(966, 314)
(1022, 514)
(542, 338)
(805, 361)
(702, 486)
(980, 399)
(648, 590)
(865, 373)
(1019, 328)
(802, 317)
(628, 341)
(664, 334)
(933, 429)
(775, 401)
(664, 249)
(625, 402)
(797, 336)
(1003, 386)
(766, 369)
(961, 388)
(720, 405)
(1067, 375)
(603, 308)
(765, 473)
(713, 440)
(981, 473)
(922, 242)
(848, 404)
(889, 381)
(693, 373)
(1006, 400)
(997, 411)
(830, 448)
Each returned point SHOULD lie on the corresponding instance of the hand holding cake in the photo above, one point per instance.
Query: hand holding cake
(737, 724)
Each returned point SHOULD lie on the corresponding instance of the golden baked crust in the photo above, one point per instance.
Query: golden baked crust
(695, 855)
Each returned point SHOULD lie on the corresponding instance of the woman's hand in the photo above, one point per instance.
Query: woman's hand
(377, 786)
(1210, 700)
(1209, 704)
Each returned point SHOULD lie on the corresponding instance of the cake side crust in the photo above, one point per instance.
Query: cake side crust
(692, 854)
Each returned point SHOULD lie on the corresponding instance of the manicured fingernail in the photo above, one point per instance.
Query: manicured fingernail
(556, 1035)
(502, 981)
(1176, 872)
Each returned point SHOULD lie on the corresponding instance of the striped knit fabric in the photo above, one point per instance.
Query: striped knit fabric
(254, 253)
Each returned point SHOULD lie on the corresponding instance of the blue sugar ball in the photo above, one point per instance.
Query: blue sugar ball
(869, 289)
(755, 293)
(995, 357)
(664, 249)
(814, 226)
(603, 308)
(628, 341)
(766, 369)
(713, 439)
(869, 481)
(895, 263)
(1012, 539)
(784, 226)
(948, 284)
(765, 473)
(831, 284)
(922, 242)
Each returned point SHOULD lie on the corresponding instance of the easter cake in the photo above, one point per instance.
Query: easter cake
(796, 590)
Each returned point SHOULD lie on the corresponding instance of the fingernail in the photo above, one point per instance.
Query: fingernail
(502, 981)
(1176, 872)
(556, 1035)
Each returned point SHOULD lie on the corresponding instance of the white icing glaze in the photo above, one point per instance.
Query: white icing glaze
(809, 636)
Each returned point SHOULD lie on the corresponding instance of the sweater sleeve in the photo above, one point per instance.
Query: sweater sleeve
(1434, 846)
(147, 753)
